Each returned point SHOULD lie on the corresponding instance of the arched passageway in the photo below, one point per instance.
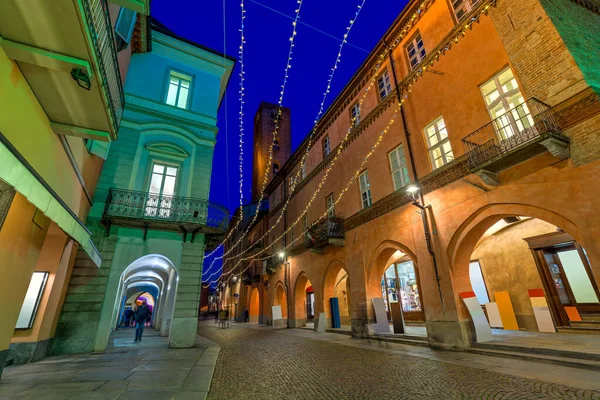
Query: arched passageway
(336, 293)
(526, 269)
(254, 306)
(394, 276)
(304, 302)
(280, 299)
(155, 277)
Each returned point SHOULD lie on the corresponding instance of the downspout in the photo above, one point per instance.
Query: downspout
(286, 265)
(416, 180)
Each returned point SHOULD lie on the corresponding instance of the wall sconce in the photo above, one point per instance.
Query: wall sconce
(82, 78)
(235, 278)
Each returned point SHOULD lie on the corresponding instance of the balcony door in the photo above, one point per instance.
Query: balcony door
(161, 190)
(506, 105)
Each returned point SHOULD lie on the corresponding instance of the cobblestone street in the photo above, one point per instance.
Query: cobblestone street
(262, 363)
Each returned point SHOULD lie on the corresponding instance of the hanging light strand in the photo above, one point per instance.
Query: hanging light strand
(275, 132)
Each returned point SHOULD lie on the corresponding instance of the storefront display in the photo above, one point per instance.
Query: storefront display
(399, 283)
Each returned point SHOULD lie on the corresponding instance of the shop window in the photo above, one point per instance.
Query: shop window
(329, 202)
(399, 168)
(124, 27)
(179, 89)
(355, 114)
(365, 189)
(415, 51)
(32, 300)
(506, 104)
(326, 146)
(440, 149)
(478, 283)
(462, 7)
(384, 85)
(399, 284)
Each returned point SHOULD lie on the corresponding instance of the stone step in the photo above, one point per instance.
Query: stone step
(402, 339)
(590, 317)
(528, 351)
(586, 330)
(542, 358)
(585, 324)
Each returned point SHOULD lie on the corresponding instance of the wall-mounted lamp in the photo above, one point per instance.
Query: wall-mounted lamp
(235, 278)
(82, 78)
(413, 192)
(282, 255)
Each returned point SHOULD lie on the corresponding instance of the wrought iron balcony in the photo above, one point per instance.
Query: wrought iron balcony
(154, 211)
(329, 231)
(98, 19)
(521, 133)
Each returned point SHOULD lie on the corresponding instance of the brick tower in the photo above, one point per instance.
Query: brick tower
(264, 125)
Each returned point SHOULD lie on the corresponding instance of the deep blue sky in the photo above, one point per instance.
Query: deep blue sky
(267, 43)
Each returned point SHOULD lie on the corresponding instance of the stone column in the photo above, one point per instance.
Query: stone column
(184, 323)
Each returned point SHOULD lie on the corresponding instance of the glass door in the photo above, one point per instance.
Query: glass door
(310, 306)
(161, 191)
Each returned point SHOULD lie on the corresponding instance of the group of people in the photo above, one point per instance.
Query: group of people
(140, 315)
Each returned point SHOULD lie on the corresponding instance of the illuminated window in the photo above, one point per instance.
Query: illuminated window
(355, 114)
(438, 142)
(384, 85)
(365, 189)
(399, 168)
(462, 7)
(416, 51)
(161, 190)
(179, 90)
(506, 104)
(326, 146)
(329, 201)
(32, 300)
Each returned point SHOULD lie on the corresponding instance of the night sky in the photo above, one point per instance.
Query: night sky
(268, 26)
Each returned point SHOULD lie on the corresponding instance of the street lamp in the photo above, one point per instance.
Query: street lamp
(281, 255)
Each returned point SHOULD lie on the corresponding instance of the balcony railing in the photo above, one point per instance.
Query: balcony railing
(166, 210)
(522, 124)
(98, 20)
(320, 234)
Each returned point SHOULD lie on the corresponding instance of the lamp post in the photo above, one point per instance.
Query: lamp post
(234, 279)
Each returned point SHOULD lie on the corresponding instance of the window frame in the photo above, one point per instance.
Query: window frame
(330, 212)
(468, 6)
(326, 145)
(38, 300)
(400, 168)
(367, 191)
(303, 171)
(356, 105)
(439, 144)
(127, 39)
(171, 72)
(385, 72)
(417, 56)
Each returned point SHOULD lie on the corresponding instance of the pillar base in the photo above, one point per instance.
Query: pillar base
(183, 332)
(359, 328)
(26, 352)
(450, 333)
(3, 357)
(74, 337)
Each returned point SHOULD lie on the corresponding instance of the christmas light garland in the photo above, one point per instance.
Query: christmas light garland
(405, 87)
(275, 132)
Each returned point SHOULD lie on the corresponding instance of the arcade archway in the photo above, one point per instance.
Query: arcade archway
(336, 295)
(254, 306)
(304, 302)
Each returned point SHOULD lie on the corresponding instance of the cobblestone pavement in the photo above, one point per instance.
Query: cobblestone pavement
(290, 364)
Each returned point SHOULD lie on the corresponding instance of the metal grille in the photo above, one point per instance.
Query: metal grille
(98, 21)
(146, 206)
(523, 123)
(330, 228)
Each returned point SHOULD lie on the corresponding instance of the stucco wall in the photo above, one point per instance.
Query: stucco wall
(507, 264)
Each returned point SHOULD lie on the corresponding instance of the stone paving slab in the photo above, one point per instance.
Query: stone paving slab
(126, 370)
(300, 364)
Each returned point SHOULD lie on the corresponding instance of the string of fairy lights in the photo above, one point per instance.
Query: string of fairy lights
(275, 132)
(242, 75)
(316, 123)
(407, 86)
(353, 178)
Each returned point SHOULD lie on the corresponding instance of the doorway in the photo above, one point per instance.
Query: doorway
(567, 276)
(400, 284)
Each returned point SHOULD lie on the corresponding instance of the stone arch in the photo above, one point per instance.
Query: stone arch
(280, 298)
(299, 299)
(331, 280)
(377, 264)
(254, 305)
(466, 237)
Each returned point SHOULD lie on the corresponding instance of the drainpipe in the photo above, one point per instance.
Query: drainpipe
(286, 265)
(416, 180)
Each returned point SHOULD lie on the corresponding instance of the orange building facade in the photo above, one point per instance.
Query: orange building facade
(498, 129)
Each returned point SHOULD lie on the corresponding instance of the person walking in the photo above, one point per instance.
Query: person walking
(128, 315)
(140, 315)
